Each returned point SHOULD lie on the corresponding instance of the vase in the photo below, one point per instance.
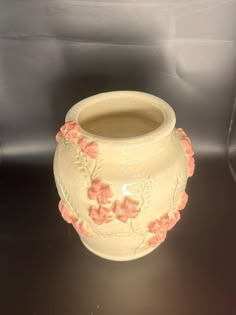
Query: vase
(121, 169)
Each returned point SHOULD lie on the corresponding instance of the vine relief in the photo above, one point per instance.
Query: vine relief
(79, 225)
(159, 227)
(88, 163)
(104, 208)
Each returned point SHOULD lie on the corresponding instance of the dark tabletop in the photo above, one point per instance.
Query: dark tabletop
(45, 269)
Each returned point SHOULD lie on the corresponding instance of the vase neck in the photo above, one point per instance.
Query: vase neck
(124, 118)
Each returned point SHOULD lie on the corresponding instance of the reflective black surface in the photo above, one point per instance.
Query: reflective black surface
(45, 269)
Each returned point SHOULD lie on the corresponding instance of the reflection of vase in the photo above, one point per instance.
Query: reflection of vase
(121, 170)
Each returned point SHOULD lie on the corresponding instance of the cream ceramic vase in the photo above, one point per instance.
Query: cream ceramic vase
(121, 170)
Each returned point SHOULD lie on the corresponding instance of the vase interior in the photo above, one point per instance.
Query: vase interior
(120, 117)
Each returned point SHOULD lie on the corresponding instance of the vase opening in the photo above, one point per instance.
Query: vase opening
(120, 117)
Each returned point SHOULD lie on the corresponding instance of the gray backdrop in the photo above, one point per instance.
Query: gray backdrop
(53, 53)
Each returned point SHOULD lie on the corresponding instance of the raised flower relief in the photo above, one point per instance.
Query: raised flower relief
(157, 239)
(65, 213)
(191, 166)
(105, 212)
(160, 227)
(89, 149)
(126, 210)
(70, 131)
(173, 219)
(79, 226)
(164, 223)
(101, 215)
(182, 133)
(100, 192)
(59, 136)
(186, 142)
(183, 201)
(82, 228)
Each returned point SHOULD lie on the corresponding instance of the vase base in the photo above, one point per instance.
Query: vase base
(118, 258)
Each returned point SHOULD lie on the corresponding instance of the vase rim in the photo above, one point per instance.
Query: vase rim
(157, 134)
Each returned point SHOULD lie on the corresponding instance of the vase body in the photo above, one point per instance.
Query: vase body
(121, 169)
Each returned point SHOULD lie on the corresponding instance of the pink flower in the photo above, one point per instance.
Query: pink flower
(59, 136)
(154, 226)
(90, 149)
(81, 228)
(182, 132)
(189, 151)
(184, 200)
(173, 220)
(70, 130)
(100, 192)
(187, 146)
(101, 215)
(164, 223)
(157, 239)
(65, 213)
(126, 210)
(191, 166)
(160, 227)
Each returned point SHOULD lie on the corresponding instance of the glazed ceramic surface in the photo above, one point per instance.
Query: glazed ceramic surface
(121, 170)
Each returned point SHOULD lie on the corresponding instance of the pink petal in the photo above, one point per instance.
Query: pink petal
(117, 207)
(70, 131)
(71, 136)
(187, 145)
(70, 125)
(63, 129)
(191, 166)
(105, 210)
(101, 200)
(157, 239)
(154, 226)
(184, 200)
(105, 194)
(91, 150)
(98, 221)
(92, 194)
(186, 142)
(94, 213)
(129, 204)
(108, 218)
(131, 208)
(82, 143)
(67, 136)
(77, 128)
(65, 213)
(101, 215)
(59, 136)
(122, 218)
(182, 132)
(173, 220)
(164, 222)
(96, 185)
(134, 213)
(106, 214)
(106, 191)
(82, 229)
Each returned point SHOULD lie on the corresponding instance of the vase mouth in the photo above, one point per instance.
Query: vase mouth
(123, 117)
